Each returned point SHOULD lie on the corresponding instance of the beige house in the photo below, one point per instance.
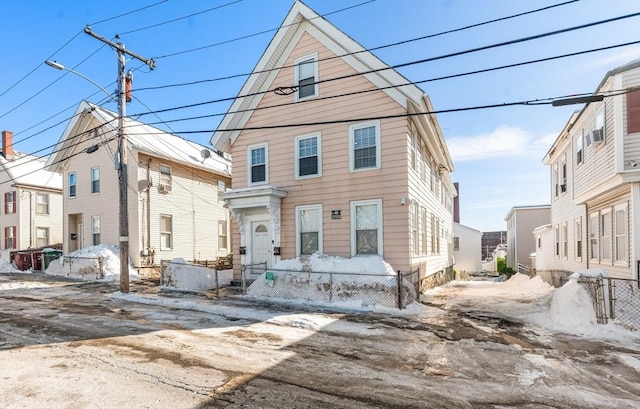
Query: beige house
(335, 153)
(595, 182)
(31, 201)
(173, 197)
(521, 221)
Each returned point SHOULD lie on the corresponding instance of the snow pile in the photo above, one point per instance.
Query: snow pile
(571, 305)
(101, 262)
(191, 277)
(366, 281)
(6, 267)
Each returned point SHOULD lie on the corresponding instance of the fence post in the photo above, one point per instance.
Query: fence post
(217, 284)
(101, 265)
(243, 271)
(399, 290)
(330, 287)
(612, 303)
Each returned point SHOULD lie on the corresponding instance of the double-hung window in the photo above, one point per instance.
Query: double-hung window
(166, 179)
(42, 203)
(308, 156)
(222, 235)
(620, 232)
(10, 202)
(364, 146)
(605, 234)
(166, 232)
(72, 184)
(594, 249)
(565, 240)
(306, 72)
(578, 240)
(42, 236)
(10, 237)
(579, 149)
(95, 180)
(309, 229)
(366, 227)
(95, 230)
(258, 164)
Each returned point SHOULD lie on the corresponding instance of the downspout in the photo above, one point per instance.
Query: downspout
(30, 219)
(148, 206)
(586, 223)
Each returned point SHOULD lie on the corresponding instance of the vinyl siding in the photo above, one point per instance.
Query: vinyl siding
(631, 141)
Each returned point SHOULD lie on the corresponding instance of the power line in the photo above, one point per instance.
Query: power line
(127, 13)
(254, 34)
(421, 61)
(404, 84)
(361, 51)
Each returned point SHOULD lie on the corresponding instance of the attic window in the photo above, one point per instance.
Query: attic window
(306, 76)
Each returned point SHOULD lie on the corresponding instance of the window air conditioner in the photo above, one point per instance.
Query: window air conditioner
(164, 188)
(597, 136)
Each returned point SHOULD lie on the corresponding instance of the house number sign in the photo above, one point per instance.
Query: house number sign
(336, 214)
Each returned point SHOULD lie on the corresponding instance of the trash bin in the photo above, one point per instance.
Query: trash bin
(49, 256)
(37, 260)
(22, 260)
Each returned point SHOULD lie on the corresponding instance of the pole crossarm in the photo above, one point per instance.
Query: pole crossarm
(149, 61)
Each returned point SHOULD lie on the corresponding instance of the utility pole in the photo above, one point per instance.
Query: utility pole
(122, 153)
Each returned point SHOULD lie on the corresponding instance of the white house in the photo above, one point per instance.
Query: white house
(31, 201)
(174, 188)
(595, 182)
(467, 243)
(521, 221)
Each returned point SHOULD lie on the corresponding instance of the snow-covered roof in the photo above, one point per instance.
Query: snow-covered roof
(29, 170)
(148, 139)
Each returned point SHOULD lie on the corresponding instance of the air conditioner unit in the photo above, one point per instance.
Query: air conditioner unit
(164, 188)
(597, 136)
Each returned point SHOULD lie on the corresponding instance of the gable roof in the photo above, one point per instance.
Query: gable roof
(299, 20)
(30, 171)
(140, 137)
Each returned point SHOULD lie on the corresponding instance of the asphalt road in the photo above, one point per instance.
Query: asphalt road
(65, 344)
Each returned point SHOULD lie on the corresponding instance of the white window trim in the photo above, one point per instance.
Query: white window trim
(161, 246)
(352, 210)
(170, 176)
(316, 88)
(296, 149)
(75, 177)
(577, 226)
(320, 233)
(266, 164)
(594, 257)
(226, 235)
(564, 230)
(614, 235)
(91, 181)
(606, 213)
(352, 129)
(39, 194)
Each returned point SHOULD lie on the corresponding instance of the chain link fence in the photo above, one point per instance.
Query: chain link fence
(617, 299)
(358, 289)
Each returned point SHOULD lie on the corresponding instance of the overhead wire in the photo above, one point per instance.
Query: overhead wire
(128, 13)
(421, 61)
(424, 37)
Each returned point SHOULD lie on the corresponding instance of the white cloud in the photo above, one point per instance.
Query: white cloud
(620, 58)
(503, 142)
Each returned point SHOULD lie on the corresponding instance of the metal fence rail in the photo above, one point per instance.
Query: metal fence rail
(624, 302)
(364, 289)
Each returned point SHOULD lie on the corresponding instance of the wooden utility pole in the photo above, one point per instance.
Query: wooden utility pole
(122, 154)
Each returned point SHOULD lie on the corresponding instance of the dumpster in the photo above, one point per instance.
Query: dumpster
(22, 260)
(37, 260)
(49, 255)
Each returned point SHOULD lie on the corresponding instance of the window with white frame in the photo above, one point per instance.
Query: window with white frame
(621, 223)
(433, 233)
(563, 176)
(438, 235)
(557, 241)
(605, 234)
(10, 237)
(594, 248)
(10, 202)
(42, 236)
(578, 239)
(222, 235)
(366, 227)
(165, 178)
(42, 203)
(456, 243)
(95, 180)
(306, 76)
(415, 224)
(72, 184)
(556, 181)
(565, 240)
(364, 142)
(257, 159)
(166, 232)
(412, 149)
(309, 229)
(308, 161)
(424, 232)
(95, 230)
(579, 149)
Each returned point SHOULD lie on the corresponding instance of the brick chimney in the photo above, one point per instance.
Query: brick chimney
(7, 144)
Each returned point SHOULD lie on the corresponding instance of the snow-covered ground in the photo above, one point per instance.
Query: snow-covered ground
(101, 262)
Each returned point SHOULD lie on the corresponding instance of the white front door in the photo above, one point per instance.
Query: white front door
(260, 243)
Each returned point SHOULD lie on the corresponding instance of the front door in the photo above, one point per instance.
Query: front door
(260, 243)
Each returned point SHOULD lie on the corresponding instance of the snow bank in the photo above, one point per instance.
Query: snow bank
(358, 282)
(85, 264)
(6, 267)
(571, 306)
(191, 277)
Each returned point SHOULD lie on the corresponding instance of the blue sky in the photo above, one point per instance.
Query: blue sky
(497, 152)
